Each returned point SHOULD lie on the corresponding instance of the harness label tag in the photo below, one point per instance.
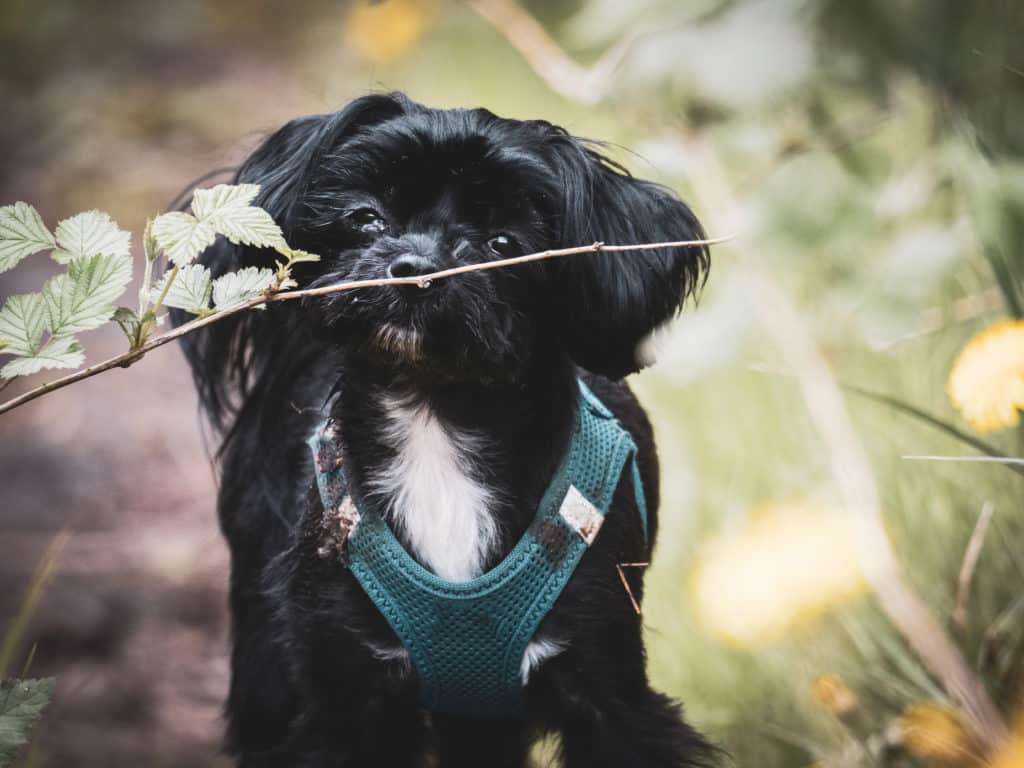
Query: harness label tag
(581, 515)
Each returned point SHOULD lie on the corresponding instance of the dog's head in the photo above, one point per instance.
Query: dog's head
(388, 187)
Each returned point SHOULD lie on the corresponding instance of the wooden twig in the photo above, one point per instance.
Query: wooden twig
(561, 73)
(625, 582)
(971, 556)
(1010, 460)
(421, 281)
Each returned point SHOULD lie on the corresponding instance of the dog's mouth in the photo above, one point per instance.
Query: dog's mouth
(453, 329)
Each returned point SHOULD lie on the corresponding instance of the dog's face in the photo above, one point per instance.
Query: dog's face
(387, 187)
(421, 192)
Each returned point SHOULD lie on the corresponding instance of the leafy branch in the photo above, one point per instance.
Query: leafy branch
(82, 298)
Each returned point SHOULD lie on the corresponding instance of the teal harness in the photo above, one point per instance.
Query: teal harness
(467, 639)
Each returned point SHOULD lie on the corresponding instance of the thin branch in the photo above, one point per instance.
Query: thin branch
(971, 556)
(934, 421)
(560, 72)
(984, 459)
(625, 583)
(420, 281)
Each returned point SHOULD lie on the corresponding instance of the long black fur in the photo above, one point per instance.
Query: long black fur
(499, 354)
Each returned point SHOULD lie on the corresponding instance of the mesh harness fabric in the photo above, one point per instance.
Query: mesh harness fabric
(467, 639)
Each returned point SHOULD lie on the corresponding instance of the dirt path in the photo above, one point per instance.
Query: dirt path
(134, 624)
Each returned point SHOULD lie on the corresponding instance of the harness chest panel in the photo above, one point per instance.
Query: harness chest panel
(467, 639)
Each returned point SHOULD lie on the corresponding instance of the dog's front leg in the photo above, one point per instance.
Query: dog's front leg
(610, 716)
(464, 741)
(646, 730)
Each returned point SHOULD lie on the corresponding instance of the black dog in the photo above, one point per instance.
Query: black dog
(454, 406)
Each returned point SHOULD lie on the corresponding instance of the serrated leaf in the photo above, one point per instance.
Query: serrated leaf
(227, 207)
(128, 320)
(22, 323)
(21, 704)
(182, 236)
(190, 290)
(223, 198)
(298, 256)
(83, 298)
(64, 352)
(236, 287)
(22, 233)
(90, 234)
(249, 226)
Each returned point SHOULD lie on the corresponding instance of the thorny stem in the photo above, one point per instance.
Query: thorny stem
(167, 286)
(147, 319)
(149, 248)
(421, 281)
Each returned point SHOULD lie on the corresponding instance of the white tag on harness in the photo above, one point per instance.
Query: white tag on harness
(581, 515)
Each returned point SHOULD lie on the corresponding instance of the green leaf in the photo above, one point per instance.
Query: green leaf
(22, 233)
(190, 290)
(21, 704)
(227, 208)
(224, 209)
(83, 298)
(182, 236)
(223, 198)
(90, 234)
(64, 352)
(298, 256)
(236, 287)
(250, 226)
(128, 319)
(22, 323)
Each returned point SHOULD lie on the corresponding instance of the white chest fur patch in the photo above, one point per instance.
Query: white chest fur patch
(439, 507)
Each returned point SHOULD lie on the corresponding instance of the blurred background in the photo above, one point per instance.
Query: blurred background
(816, 597)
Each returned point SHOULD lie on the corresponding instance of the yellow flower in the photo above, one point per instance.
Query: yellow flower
(1012, 754)
(383, 31)
(788, 563)
(934, 733)
(987, 380)
(832, 693)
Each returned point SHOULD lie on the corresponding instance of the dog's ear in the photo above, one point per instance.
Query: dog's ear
(607, 303)
(230, 359)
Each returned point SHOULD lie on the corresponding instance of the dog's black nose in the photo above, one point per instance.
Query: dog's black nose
(411, 265)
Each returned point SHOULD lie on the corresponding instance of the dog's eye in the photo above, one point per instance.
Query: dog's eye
(367, 219)
(503, 245)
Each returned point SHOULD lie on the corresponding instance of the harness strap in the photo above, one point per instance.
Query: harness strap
(467, 639)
